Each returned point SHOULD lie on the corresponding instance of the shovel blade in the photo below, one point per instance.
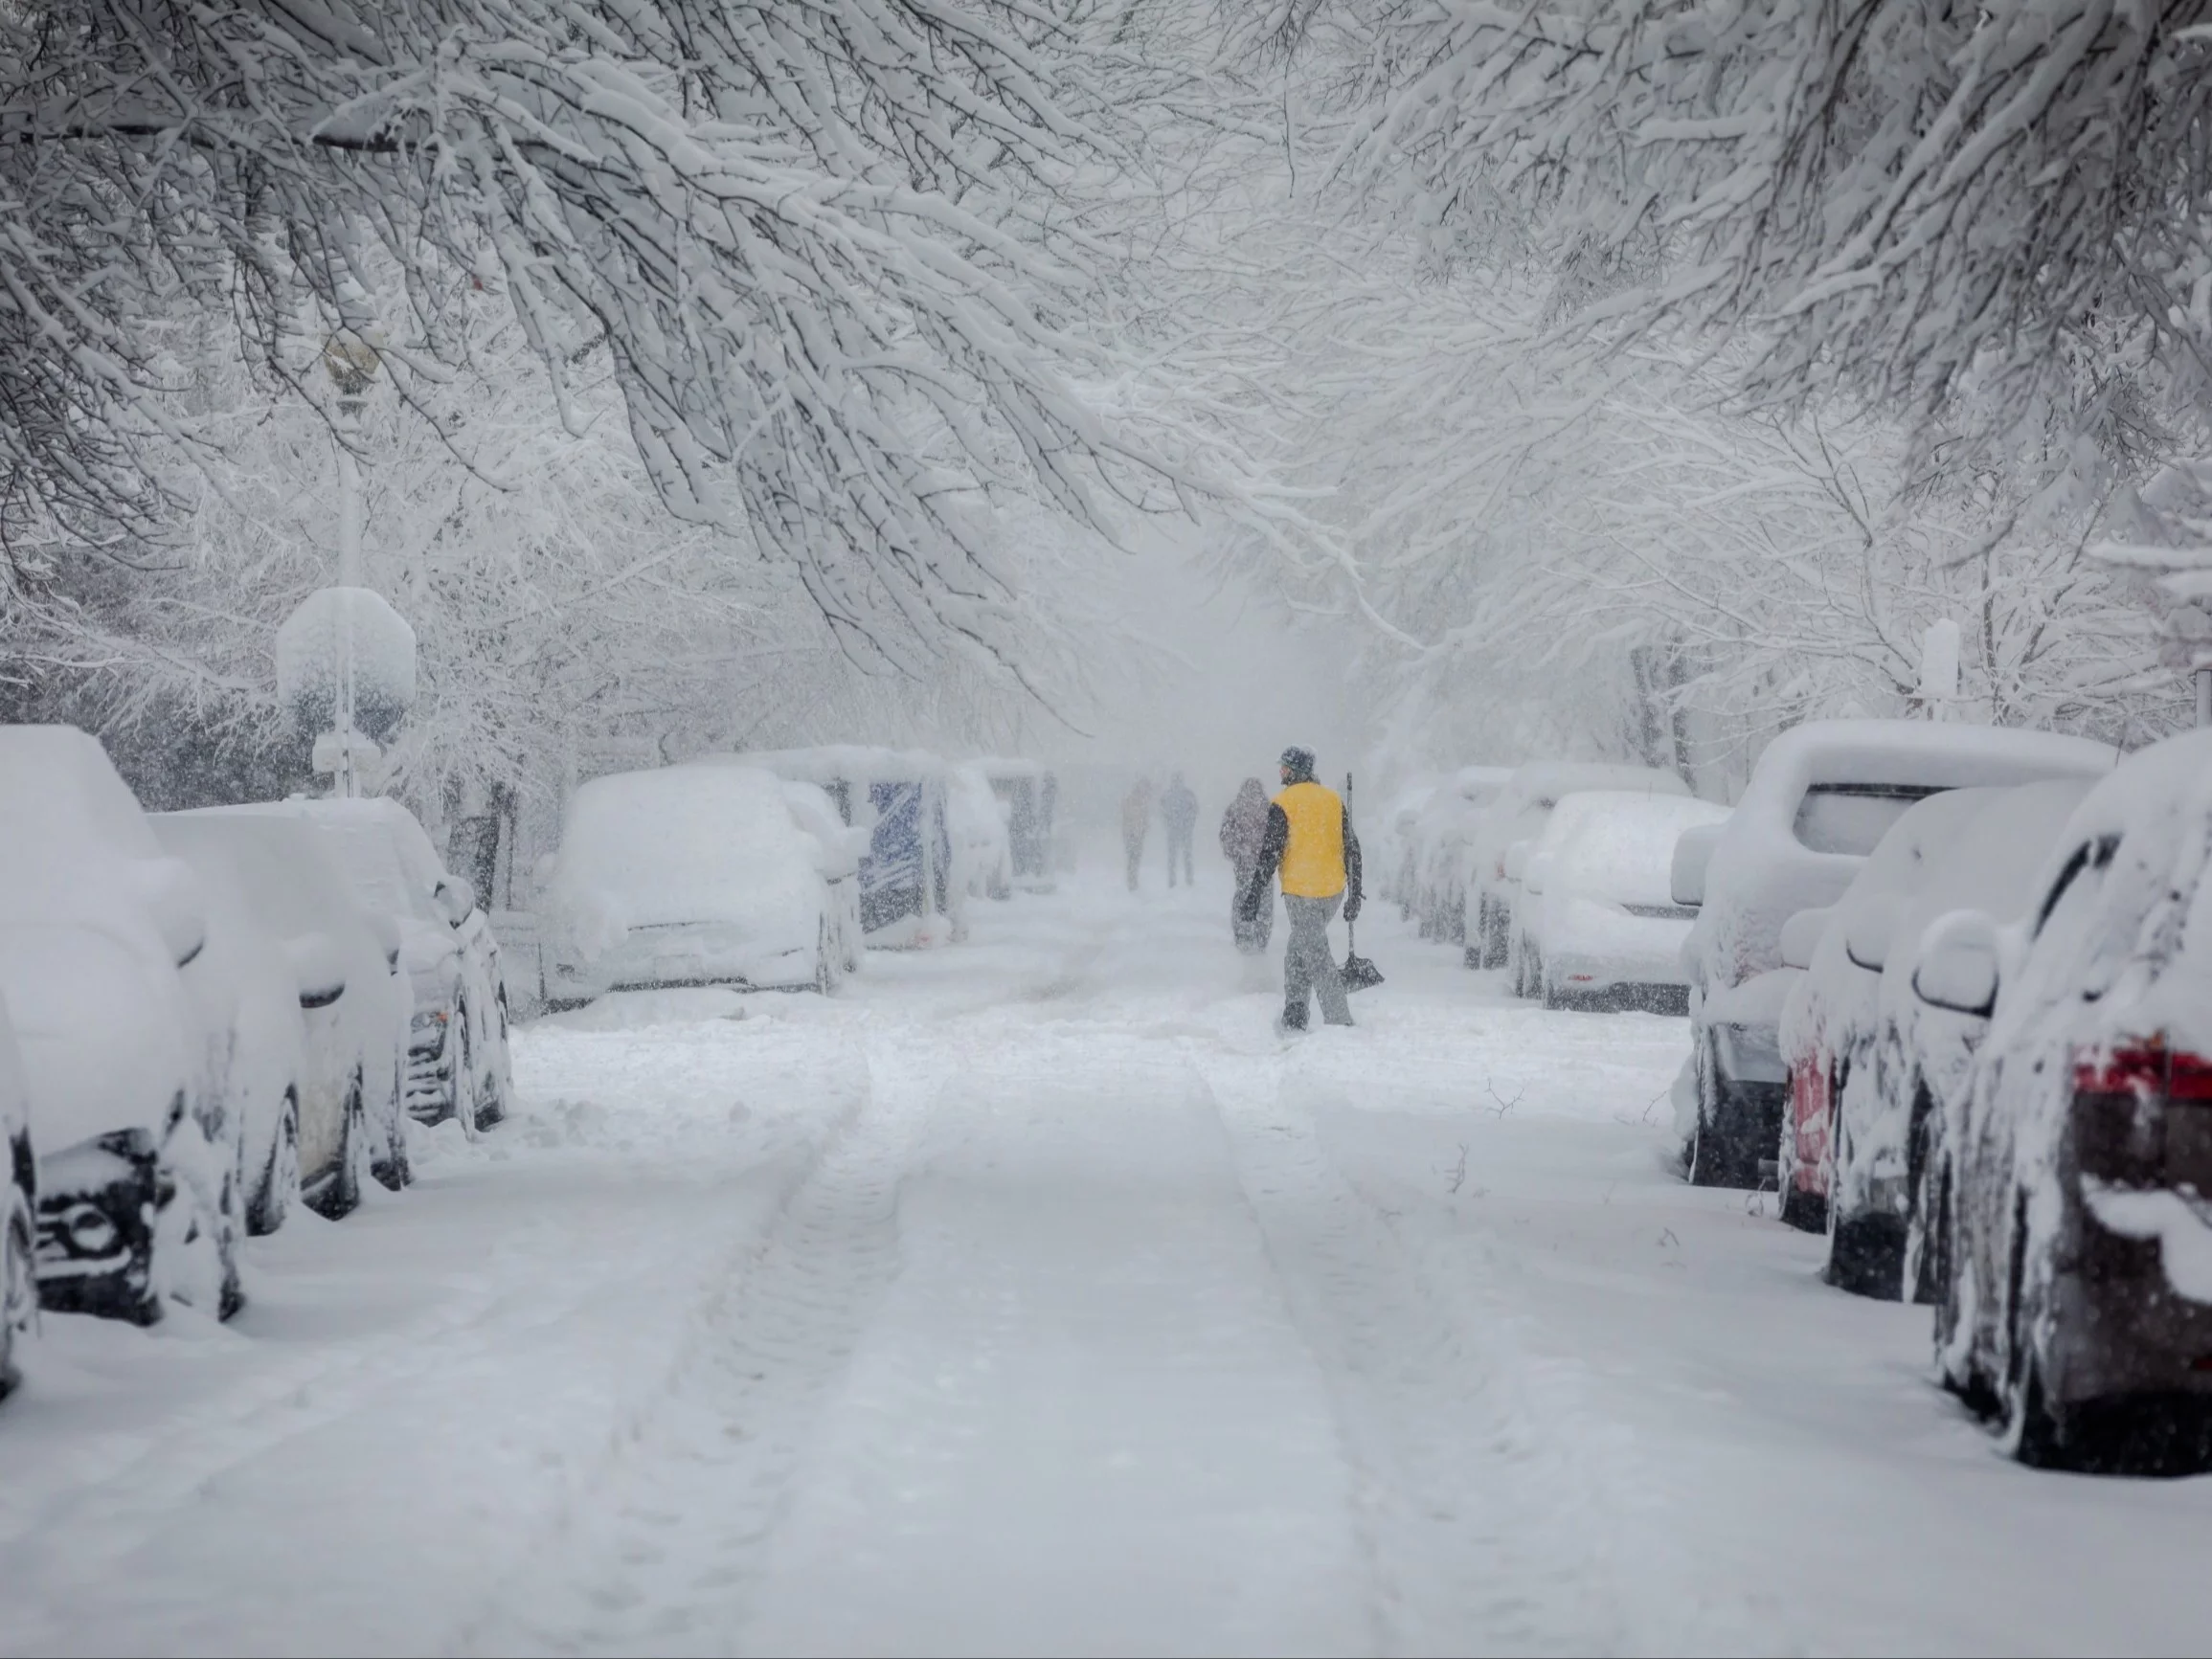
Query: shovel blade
(1359, 974)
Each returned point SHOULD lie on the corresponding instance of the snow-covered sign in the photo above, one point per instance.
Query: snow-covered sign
(342, 632)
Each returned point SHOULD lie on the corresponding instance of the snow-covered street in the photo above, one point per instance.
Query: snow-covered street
(1034, 1296)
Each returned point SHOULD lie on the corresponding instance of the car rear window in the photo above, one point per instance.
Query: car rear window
(1853, 818)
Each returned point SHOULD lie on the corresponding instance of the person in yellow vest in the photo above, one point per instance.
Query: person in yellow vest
(1310, 844)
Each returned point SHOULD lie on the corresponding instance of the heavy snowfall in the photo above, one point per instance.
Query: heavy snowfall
(1141, 826)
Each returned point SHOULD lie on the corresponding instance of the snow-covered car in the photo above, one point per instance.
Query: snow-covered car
(838, 854)
(1447, 823)
(19, 1207)
(1599, 927)
(457, 1058)
(1519, 813)
(898, 797)
(1818, 802)
(693, 875)
(1396, 852)
(1030, 795)
(348, 1005)
(137, 1195)
(977, 823)
(1867, 1057)
(2073, 1246)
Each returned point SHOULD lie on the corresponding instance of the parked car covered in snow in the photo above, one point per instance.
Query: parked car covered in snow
(1599, 928)
(2073, 1246)
(1519, 813)
(19, 1207)
(1396, 851)
(694, 875)
(1867, 1057)
(976, 826)
(1820, 800)
(898, 797)
(138, 1197)
(348, 1005)
(1030, 795)
(457, 1060)
(1437, 847)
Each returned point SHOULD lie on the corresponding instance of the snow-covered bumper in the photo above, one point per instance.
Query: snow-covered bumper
(1608, 955)
(680, 955)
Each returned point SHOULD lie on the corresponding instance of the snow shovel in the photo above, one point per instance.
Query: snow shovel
(1357, 971)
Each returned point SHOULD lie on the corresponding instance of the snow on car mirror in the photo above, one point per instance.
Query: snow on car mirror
(1957, 968)
(318, 968)
(1866, 932)
(1801, 935)
(388, 938)
(171, 896)
(457, 894)
(1686, 874)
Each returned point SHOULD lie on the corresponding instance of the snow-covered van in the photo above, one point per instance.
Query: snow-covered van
(1820, 800)
(138, 1200)
(350, 1007)
(2074, 1243)
(976, 821)
(695, 875)
(1863, 1053)
(898, 797)
(18, 1205)
(1030, 795)
(1519, 813)
(1599, 928)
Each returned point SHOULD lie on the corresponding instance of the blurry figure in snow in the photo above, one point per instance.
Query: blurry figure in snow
(1309, 841)
(1243, 829)
(1135, 823)
(1178, 810)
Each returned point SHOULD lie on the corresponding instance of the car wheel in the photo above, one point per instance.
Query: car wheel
(338, 1195)
(18, 1283)
(466, 1099)
(194, 1252)
(493, 1087)
(278, 1187)
(825, 981)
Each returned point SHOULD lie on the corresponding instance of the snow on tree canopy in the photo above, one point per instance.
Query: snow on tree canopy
(313, 646)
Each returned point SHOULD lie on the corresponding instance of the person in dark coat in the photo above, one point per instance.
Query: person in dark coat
(1243, 829)
(1178, 810)
(1309, 842)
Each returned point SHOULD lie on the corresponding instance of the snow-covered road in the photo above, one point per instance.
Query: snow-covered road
(1033, 1296)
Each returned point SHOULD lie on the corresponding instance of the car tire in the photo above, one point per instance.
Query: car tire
(496, 1083)
(341, 1195)
(278, 1188)
(193, 1247)
(19, 1284)
(466, 1101)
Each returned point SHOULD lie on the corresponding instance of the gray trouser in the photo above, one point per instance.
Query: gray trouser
(1309, 965)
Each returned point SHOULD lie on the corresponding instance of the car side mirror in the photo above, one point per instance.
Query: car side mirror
(171, 896)
(1957, 969)
(1801, 935)
(1693, 853)
(457, 896)
(318, 968)
(387, 936)
(1866, 934)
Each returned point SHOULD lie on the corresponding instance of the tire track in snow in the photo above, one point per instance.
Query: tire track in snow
(1494, 1512)
(658, 1554)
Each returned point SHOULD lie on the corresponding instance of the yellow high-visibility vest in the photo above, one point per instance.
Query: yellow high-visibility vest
(1312, 864)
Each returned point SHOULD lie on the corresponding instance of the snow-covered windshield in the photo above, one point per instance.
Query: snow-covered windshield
(1853, 818)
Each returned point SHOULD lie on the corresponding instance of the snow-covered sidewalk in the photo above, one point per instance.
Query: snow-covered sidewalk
(1030, 1296)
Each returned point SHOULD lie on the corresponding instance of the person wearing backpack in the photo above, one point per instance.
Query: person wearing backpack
(1310, 846)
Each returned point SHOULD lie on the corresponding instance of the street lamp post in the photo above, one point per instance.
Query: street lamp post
(352, 362)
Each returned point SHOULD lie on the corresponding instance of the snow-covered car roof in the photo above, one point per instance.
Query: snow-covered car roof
(294, 884)
(2119, 942)
(835, 762)
(1761, 872)
(1616, 845)
(1005, 768)
(380, 846)
(1537, 786)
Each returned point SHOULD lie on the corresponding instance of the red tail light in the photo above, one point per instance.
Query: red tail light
(2144, 1068)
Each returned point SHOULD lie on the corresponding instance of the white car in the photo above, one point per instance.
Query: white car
(19, 1207)
(349, 1012)
(1396, 855)
(137, 1193)
(457, 1058)
(1600, 928)
(1820, 800)
(695, 875)
(1030, 795)
(1520, 813)
(1440, 834)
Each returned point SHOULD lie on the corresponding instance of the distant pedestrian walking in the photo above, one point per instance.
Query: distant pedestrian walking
(1243, 830)
(1178, 810)
(1136, 824)
(1309, 842)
